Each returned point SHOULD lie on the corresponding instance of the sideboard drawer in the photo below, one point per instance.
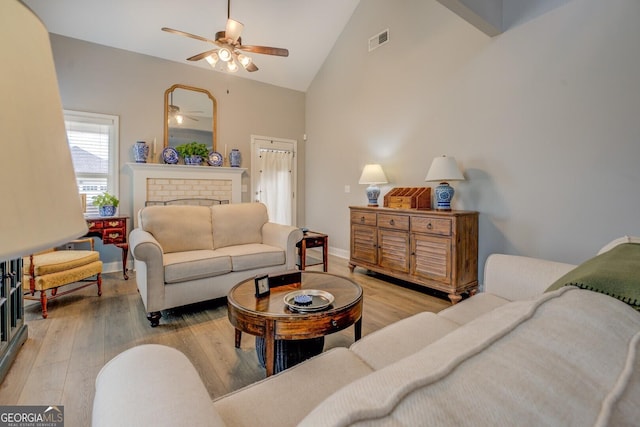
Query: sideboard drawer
(363, 218)
(431, 225)
(394, 222)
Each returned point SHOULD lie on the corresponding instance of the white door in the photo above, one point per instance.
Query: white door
(274, 176)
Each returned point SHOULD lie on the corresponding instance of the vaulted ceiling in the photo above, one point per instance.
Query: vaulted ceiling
(307, 28)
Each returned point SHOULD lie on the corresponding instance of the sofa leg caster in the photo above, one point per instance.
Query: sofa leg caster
(154, 318)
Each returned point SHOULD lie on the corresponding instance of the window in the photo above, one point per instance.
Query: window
(93, 141)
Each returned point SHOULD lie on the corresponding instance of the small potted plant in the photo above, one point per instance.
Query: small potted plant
(192, 152)
(106, 203)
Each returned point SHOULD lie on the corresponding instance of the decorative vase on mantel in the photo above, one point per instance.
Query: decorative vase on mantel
(141, 151)
(235, 158)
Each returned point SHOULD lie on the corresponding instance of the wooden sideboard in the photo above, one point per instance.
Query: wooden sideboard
(112, 230)
(435, 249)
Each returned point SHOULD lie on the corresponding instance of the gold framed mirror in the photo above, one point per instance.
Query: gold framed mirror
(190, 114)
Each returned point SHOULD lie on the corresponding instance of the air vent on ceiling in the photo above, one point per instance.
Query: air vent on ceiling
(378, 40)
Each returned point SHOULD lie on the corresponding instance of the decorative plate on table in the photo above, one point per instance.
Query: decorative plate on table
(170, 155)
(308, 300)
(215, 159)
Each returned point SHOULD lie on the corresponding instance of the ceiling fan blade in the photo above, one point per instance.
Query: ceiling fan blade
(233, 30)
(182, 33)
(202, 55)
(251, 67)
(265, 50)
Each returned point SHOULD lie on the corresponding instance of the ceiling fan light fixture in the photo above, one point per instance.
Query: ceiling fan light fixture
(225, 54)
(212, 59)
(228, 44)
(232, 66)
(244, 60)
(233, 30)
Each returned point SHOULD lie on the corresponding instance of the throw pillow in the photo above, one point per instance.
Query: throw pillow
(615, 273)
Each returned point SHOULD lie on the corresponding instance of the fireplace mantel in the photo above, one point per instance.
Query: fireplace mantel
(144, 173)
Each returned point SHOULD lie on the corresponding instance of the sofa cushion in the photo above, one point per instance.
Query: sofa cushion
(238, 223)
(192, 265)
(284, 399)
(178, 228)
(401, 339)
(569, 357)
(253, 255)
(470, 308)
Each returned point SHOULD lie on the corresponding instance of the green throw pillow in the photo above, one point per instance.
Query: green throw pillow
(615, 273)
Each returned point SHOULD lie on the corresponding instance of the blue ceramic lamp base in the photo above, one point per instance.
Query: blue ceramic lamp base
(444, 194)
(373, 192)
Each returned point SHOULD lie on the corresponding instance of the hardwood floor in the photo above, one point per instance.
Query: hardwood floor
(63, 354)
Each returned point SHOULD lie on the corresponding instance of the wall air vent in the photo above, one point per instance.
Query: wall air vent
(378, 40)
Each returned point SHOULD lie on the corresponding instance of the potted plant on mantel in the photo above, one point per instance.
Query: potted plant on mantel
(106, 203)
(193, 152)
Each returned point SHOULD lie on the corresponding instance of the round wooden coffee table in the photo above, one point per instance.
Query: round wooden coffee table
(270, 318)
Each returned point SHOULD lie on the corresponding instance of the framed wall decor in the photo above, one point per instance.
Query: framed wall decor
(262, 285)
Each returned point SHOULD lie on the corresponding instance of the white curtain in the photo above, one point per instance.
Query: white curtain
(276, 184)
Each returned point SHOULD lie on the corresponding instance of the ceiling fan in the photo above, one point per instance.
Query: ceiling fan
(178, 116)
(174, 113)
(228, 46)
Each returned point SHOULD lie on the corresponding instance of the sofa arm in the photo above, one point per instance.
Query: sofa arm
(285, 237)
(148, 257)
(517, 278)
(152, 385)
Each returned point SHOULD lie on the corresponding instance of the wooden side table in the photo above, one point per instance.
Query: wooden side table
(312, 239)
(111, 230)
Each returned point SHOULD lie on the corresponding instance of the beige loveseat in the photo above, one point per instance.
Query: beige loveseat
(188, 254)
(565, 357)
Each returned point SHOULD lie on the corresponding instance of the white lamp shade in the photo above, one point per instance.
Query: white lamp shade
(41, 207)
(444, 169)
(373, 174)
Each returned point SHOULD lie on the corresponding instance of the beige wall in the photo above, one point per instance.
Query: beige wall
(543, 119)
(105, 80)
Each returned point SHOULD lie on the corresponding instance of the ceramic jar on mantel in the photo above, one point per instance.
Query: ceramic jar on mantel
(141, 151)
(235, 158)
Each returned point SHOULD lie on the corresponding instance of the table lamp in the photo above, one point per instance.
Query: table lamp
(41, 207)
(444, 169)
(373, 175)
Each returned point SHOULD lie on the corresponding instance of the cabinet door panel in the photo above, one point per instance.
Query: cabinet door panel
(364, 243)
(394, 250)
(432, 257)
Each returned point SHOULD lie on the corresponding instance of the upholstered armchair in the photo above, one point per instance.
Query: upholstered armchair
(53, 269)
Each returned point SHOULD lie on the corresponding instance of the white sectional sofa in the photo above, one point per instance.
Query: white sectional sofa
(512, 355)
(188, 254)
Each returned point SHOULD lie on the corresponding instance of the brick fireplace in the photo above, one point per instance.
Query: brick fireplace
(160, 182)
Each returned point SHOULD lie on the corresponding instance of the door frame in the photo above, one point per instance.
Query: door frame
(270, 142)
